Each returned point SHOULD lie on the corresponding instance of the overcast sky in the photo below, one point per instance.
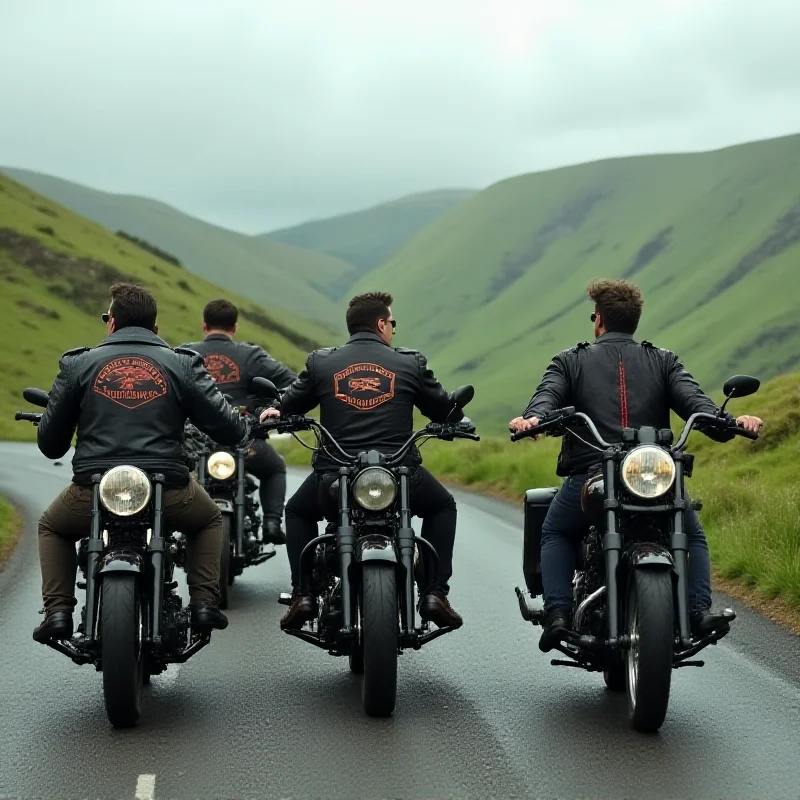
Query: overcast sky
(260, 113)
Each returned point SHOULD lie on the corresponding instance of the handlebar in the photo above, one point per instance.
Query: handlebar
(560, 417)
(26, 416)
(292, 424)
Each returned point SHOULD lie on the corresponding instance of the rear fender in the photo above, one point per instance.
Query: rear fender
(120, 561)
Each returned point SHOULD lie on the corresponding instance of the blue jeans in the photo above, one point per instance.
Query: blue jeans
(564, 527)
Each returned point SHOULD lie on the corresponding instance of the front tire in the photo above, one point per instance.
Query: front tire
(650, 627)
(225, 562)
(121, 634)
(380, 638)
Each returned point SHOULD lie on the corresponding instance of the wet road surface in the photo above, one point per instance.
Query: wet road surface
(480, 712)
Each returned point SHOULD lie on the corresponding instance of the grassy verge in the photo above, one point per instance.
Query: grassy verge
(9, 530)
(751, 499)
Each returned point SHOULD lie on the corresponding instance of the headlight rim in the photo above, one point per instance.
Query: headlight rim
(224, 456)
(136, 471)
(639, 449)
(354, 488)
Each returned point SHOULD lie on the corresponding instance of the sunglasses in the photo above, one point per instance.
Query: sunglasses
(393, 323)
(105, 317)
(593, 318)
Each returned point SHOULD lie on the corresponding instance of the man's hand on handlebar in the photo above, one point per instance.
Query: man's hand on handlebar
(269, 413)
(520, 424)
(750, 424)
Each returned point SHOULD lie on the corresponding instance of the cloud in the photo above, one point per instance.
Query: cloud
(256, 113)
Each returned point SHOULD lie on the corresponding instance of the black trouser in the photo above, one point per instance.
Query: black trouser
(270, 469)
(429, 500)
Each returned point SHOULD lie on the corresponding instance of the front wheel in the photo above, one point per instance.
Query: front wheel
(121, 635)
(225, 562)
(648, 659)
(379, 638)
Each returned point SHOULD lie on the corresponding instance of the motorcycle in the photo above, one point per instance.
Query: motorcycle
(133, 622)
(362, 570)
(630, 611)
(221, 472)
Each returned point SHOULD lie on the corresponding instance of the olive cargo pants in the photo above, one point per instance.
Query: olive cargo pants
(67, 520)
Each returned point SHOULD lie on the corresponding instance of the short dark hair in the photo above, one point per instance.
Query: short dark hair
(132, 306)
(619, 303)
(365, 310)
(221, 314)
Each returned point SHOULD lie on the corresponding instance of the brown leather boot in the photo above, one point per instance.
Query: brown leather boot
(436, 608)
(302, 609)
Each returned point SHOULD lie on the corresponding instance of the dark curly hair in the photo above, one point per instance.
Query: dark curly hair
(619, 304)
(366, 310)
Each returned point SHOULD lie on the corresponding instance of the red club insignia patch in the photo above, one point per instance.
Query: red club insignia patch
(221, 368)
(364, 386)
(130, 382)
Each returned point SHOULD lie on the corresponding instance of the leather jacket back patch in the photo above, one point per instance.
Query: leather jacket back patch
(221, 368)
(130, 382)
(364, 386)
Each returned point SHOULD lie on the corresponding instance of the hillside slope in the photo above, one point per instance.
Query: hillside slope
(368, 238)
(55, 270)
(275, 274)
(493, 289)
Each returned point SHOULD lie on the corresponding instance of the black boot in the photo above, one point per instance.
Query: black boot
(704, 621)
(303, 609)
(207, 617)
(435, 607)
(56, 625)
(273, 533)
(556, 621)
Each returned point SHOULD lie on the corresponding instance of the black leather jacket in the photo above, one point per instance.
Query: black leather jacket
(129, 398)
(619, 383)
(234, 364)
(367, 392)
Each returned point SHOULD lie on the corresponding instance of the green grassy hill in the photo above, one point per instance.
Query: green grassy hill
(272, 273)
(494, 288)
(368, 238)
(55, 270)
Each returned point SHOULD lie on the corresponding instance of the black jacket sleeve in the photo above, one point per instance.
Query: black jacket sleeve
(207, 408)
(301, 396)
(265, 366)
(60, 418)
(553, 392)
(687, 398)
(433, 400)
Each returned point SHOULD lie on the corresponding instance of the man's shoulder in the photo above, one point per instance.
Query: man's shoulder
(662, 351)
(75, 351)
(580, 347)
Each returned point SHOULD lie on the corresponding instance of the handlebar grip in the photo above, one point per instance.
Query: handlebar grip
(27, 416)
(739, 431)
(518, 435)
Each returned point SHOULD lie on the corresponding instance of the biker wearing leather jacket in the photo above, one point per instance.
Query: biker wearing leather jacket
(128, 399)
(233, 365)
(620, 383)
(367, 391)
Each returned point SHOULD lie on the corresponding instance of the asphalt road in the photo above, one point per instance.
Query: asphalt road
(480, 712)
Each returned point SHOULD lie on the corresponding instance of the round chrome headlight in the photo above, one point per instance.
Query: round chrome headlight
(648, 471)
(375, 488)
(125, 490)
(221, 465)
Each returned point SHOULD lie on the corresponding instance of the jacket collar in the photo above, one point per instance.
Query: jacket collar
(133, 335)
(366, 336)
(614, 336)
(217, 337)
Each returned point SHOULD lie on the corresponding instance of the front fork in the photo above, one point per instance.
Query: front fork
(239, 501)
(405, 541)
(346, 545)
(679, 545)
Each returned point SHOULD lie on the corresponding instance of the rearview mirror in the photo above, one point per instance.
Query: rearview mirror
(741, 386)
(264, 388)
(36, 397)
(462, 396)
